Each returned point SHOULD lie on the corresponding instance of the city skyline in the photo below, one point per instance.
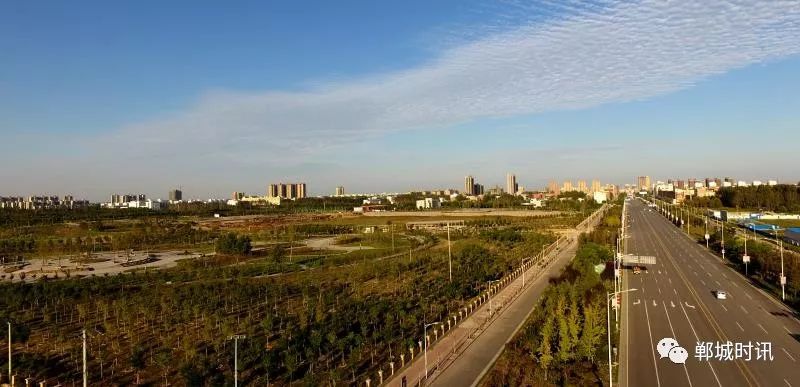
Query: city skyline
(467, 87)
(547, 185)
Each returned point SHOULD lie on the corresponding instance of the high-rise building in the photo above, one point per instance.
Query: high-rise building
(582, 186)
(175, 195)
(567, 186)
(283, 190)
(552, 187)
(469, 185)
(237, 195)
(477, 189)
(644, 183)
(339, 191)
(287, 191)
(272, 191)
(596, 186)
(511, 184)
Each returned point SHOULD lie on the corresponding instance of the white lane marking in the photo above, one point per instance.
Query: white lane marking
(725, 276)
(650, 332)
(786, 329)
(743, 309)
(695, 273)
(748, 295)
(735, 284)
(654, 303)
(670, 280)
(740, 327)
(709, 274)
(723, 307)
(787, 382)
(762, 328)
(669, 320)
(675, 291)
(787, 354)
(703, 282)
(689, 306)
(672, 304)
(719, 284)
(659, 290)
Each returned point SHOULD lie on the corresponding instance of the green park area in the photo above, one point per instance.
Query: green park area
(323, 298)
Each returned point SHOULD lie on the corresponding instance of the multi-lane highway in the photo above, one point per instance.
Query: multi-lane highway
(675, 298)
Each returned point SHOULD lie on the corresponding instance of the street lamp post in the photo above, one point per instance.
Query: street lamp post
(449, 253)
(608, 331)
(723, 239)
(779, 242)
(745, 257)
(236, 339)
(9, 351)
(85, 375)
(425, 332)
(488, 291)
(522, 267)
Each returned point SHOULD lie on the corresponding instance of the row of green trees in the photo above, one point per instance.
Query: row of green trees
(781, 197)
(563, 342)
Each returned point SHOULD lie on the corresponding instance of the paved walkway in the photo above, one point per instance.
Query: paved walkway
(468, 351)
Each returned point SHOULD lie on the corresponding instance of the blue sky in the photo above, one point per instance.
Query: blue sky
(103, 97)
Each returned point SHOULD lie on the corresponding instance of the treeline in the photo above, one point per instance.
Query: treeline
(563, 342)
(781, 197)
(10, 217)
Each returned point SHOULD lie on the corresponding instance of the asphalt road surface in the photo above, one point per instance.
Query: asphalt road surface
(675, 298)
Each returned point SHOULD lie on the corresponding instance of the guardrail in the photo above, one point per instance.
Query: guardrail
(543, 259)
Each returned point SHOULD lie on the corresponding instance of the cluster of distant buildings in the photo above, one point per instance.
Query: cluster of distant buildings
(597, 191)
(42, 202)
(134, 201)
(475, 191)
(275, 193)
(678, 190)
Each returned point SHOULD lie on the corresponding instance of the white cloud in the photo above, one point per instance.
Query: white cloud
(594, 55)
(618, 53)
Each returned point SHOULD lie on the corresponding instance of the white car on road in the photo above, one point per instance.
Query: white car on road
(721, 295)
